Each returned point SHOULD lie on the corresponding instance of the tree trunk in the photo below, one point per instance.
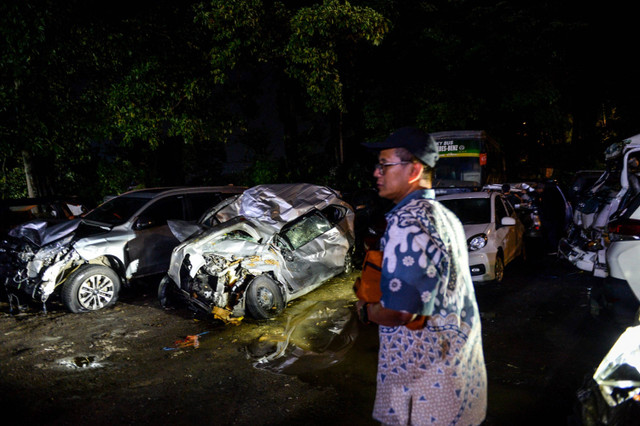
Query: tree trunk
(28, 174)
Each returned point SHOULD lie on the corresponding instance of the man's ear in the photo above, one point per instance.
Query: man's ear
(416, 172)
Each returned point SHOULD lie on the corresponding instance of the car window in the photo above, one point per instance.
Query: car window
(117, 210)
(334, 213)
(500, 210)
(169, 208)
(210, 217)
(199, 203)
(306, 229)
(509, 207)
(470, 211)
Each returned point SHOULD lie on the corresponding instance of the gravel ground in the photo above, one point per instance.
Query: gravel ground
(133, 364)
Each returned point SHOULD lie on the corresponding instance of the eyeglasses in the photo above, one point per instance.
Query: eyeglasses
(381, 167)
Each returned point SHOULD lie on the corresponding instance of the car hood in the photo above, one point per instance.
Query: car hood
(471, 230)
(41, 233)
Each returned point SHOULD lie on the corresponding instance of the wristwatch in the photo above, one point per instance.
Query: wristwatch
(364, 314)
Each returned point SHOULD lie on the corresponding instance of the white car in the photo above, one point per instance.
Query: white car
(619, 294)
(494, 232)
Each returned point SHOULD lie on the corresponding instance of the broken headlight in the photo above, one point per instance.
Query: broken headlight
(48, 255)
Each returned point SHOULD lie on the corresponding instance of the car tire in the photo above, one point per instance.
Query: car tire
(166, 293)
(498, 269)
(264, 298)
(91, 288)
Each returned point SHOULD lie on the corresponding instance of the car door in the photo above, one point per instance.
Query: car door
(508, 238)
(150, 250)
(313, 250)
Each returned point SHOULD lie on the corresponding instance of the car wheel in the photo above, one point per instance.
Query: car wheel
(498, 269)
(91, 288)
(166, 294)
(264, 298)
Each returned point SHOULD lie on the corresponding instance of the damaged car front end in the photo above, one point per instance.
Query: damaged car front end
(586, 244)
(266, 247)
(85, 261)
(36, 258)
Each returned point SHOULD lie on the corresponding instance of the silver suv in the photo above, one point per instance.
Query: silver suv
(88, 259)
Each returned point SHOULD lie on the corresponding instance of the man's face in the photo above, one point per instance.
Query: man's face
(393, 182)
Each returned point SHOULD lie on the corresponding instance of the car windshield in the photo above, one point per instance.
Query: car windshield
(117, 210)
(306, 230)
(470, 211)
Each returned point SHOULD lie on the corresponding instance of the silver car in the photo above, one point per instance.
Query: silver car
(86, 260)
(260, 250)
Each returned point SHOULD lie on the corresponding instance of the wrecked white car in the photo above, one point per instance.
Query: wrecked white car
(262, 249)
(586, 243)
(86, 260)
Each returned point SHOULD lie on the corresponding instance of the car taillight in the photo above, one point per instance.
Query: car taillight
(624, 229)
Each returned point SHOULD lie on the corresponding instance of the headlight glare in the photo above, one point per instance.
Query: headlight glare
(477, 242)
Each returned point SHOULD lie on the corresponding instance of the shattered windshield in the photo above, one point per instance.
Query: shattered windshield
(117, 210)
(306, 230)
(470, 211)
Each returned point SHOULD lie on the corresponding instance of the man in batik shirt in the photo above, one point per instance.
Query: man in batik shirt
(435, 374)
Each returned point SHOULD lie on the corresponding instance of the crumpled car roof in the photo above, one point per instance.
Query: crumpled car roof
(274, 205)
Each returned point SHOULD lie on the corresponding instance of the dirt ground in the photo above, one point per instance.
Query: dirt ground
(133, 364)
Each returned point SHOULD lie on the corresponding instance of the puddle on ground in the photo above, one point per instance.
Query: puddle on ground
(81, 362)
(317, 335)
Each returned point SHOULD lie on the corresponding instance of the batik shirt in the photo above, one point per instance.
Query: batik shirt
(434, 375)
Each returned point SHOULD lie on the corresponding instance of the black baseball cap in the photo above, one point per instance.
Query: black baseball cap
(420, 144)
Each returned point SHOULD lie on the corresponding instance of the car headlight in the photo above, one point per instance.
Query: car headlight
(52, 250)
(477, 242)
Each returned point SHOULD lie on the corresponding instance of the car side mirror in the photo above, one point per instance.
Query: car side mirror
(144, 222)
(508, 221)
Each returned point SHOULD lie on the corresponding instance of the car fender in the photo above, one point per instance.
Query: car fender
(113, 246)
(626, 265)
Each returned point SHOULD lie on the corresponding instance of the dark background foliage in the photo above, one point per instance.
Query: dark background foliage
(99, 97)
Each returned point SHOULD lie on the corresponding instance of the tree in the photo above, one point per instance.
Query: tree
(313, 45)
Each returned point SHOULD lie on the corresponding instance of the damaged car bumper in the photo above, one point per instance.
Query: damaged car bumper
(594, 262)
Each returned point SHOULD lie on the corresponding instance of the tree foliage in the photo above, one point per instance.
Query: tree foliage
(94, 98)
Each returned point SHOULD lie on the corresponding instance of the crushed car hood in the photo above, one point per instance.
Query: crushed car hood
(41, 233)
